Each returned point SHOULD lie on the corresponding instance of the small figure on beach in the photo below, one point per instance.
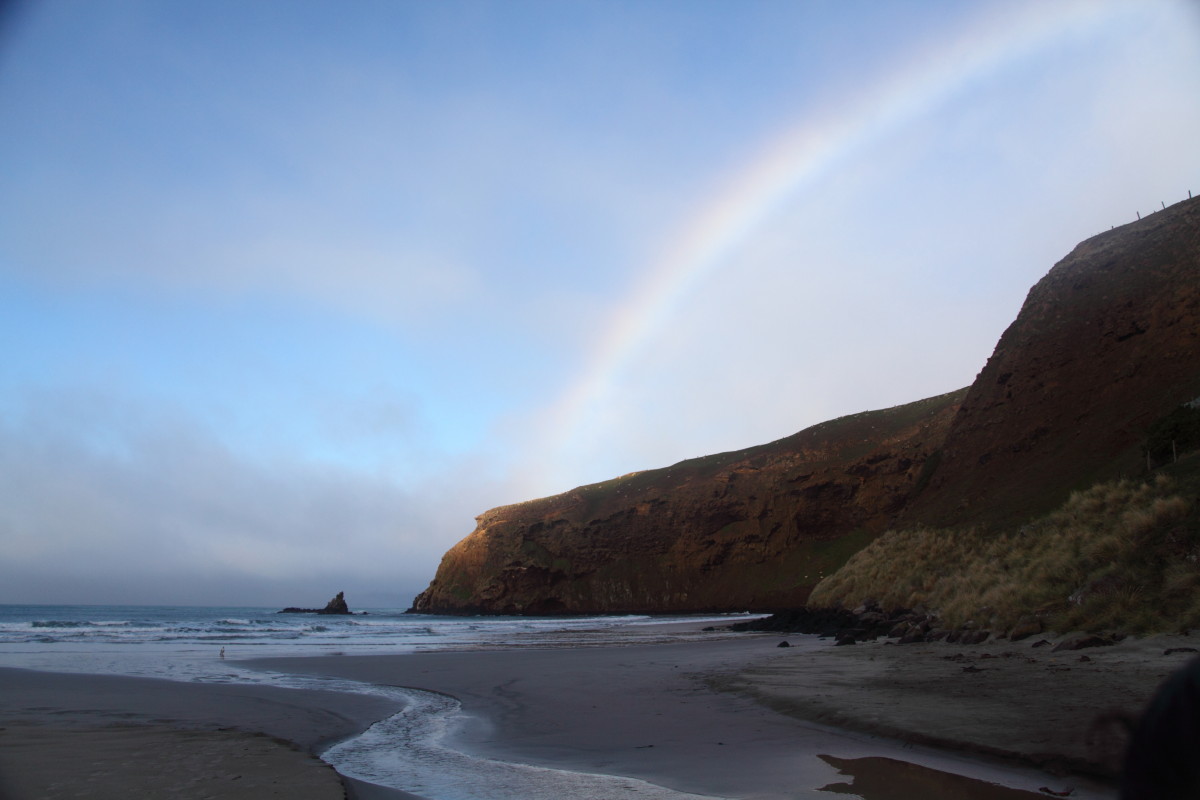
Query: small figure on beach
(1161, 761)
(222, 653)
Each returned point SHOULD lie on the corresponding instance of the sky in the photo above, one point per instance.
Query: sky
(291, 291)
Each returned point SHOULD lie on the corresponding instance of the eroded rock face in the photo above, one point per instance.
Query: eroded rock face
(753, 529)
(1106, 344)
(337, 605)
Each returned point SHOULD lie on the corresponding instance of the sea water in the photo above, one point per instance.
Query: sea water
(187, 642)
(412, 750)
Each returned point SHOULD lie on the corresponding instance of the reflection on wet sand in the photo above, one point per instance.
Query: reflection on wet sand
(875, 778)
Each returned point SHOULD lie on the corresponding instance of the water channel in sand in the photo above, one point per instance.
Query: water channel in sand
(414, 751)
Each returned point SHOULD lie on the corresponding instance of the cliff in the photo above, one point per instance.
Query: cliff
(1104, 346)
(755, 528)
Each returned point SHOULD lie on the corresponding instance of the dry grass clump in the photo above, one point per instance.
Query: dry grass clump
(1119, 556)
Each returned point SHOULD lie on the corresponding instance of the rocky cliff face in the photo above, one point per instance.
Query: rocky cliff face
(753, 529)
(1107, 343)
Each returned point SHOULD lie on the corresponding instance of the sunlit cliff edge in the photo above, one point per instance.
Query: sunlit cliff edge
(1105, 347)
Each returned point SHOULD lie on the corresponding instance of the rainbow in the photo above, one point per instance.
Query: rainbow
(793, 162)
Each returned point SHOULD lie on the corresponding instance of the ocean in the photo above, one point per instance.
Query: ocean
(186, 642)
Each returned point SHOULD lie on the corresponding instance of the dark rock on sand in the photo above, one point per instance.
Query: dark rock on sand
(1026, 626)
(1080, 642)
(865, 623)
(821, 621)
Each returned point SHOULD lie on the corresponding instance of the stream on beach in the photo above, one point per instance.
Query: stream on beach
(420, 750)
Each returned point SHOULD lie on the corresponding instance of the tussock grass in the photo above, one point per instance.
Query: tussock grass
(1120, 556)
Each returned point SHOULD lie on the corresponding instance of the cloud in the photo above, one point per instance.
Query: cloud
(346, 184)
(143, 504)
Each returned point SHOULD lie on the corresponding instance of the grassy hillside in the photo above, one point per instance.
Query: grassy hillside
(1121, 556)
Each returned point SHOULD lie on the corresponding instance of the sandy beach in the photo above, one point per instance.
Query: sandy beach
(728, 717)
(1027, 703)
(744, 718)
(102, 736)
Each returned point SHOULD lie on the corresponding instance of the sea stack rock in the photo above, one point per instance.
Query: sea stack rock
(335, 606)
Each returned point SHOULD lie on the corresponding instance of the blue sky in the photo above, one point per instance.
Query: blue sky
(291, 291)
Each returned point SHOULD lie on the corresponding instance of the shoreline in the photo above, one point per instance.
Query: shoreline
(721, 717)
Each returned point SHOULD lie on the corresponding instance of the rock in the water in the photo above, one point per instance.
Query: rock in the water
(335, 606)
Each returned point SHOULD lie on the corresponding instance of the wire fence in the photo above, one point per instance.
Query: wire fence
(1155, 211)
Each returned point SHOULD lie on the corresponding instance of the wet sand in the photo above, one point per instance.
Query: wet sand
(682, 716)
(726, 717)
(103, 736)
(47, 762)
